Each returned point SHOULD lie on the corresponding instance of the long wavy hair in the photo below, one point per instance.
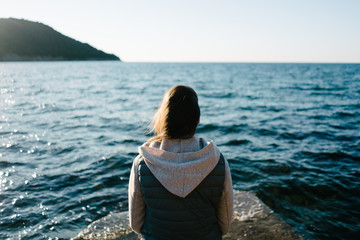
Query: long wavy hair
(178, 115)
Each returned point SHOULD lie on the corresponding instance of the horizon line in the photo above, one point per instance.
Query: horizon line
(299, 62)
(245, 62)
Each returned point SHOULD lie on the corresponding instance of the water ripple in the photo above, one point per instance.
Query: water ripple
(70, 130)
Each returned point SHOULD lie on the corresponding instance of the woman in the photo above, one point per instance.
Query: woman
(180, 185)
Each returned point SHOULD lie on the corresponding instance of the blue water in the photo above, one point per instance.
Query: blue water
(70, 130)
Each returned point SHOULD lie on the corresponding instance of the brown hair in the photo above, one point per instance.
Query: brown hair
(178, 114)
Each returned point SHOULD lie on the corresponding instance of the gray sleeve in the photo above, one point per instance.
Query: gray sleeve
(226, 202)
(136, 202)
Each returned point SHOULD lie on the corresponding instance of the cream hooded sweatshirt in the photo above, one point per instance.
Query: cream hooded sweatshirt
(180, 165)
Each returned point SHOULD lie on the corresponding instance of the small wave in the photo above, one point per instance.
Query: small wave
(303, 135)
(109, 182)
(245, 175)
(131, 141)
(102, 138)
(219, 95)
(203, 128)
(265, 132)
(74, 127)
(318, 88)
(347, 138)
(321, 135)
(110, 120)
(344, 114)
(59, 151)
(207, 127)
(14, 147)
(320, 93)
(82, 116)
(5, 133)
(297, 136)
(278, 169)
(342, 127)
(237, 142)
(5, 164)
(119, 100)
(318, 156)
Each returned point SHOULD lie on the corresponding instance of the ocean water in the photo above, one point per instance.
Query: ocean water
(70, 130)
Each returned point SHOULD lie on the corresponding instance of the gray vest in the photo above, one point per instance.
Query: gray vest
(170, 217)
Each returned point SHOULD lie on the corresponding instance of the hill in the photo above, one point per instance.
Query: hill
(22, 40)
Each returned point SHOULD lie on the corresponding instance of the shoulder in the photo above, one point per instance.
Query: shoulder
(219, 169)
(222, 159)
(137, 162)
(138, 159)
(140, 166)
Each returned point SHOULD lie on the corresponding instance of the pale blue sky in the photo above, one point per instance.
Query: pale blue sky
(205, 30)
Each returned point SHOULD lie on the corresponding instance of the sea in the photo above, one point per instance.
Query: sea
(69, 132)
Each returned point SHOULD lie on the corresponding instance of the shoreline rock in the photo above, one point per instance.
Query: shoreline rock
(252, 219)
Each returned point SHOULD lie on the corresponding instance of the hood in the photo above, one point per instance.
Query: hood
(180, 165)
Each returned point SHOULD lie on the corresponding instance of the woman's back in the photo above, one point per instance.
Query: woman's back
(180, 185)
(178, 211)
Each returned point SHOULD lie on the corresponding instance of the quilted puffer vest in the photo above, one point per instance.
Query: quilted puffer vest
(169, 216)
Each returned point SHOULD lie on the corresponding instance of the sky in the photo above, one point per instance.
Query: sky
(205, 30)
